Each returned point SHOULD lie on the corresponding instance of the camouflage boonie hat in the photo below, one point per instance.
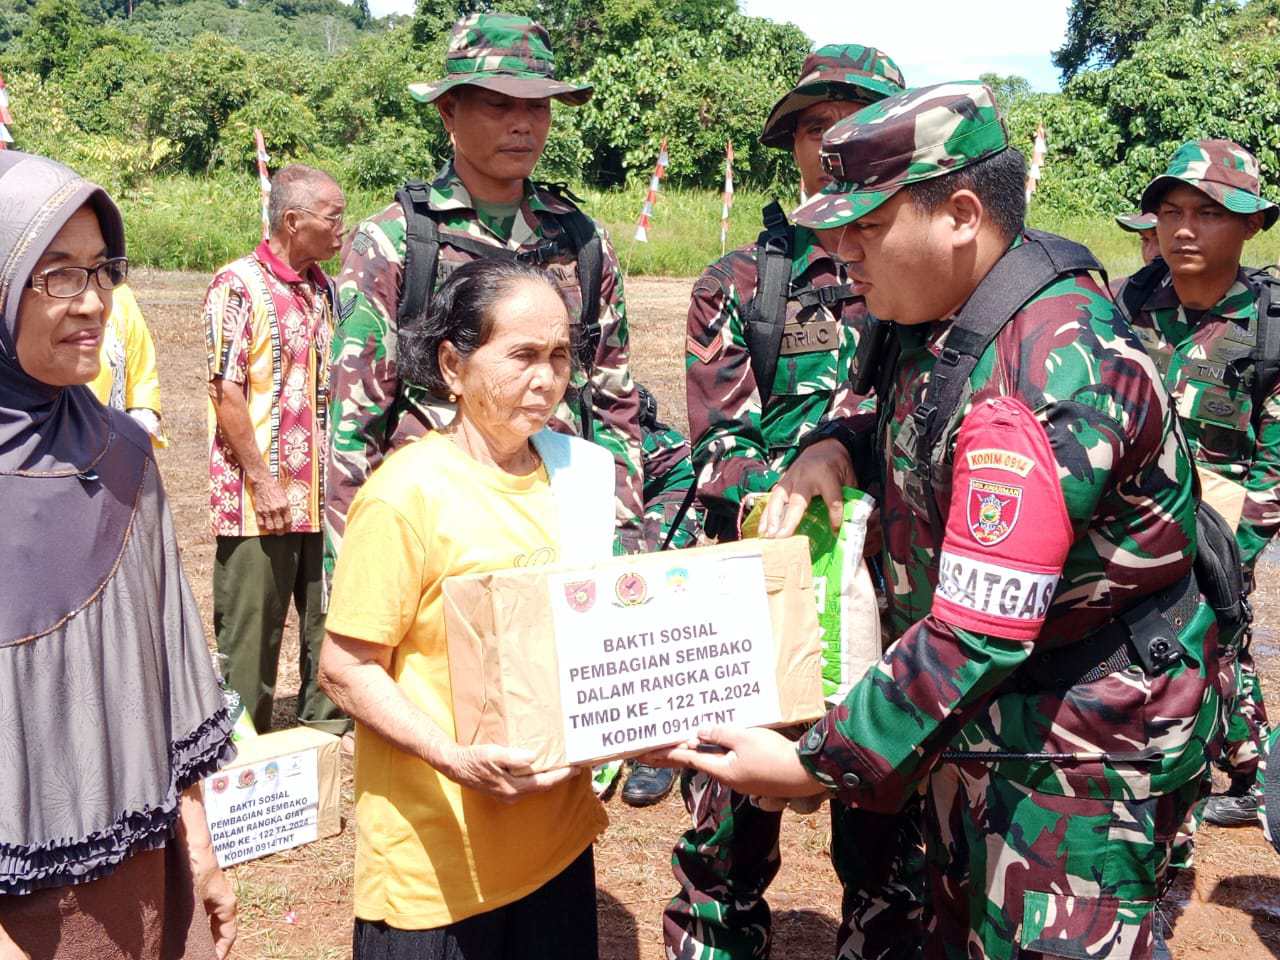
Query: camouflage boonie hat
(1222, 169)
(838, 71)
(1136, 222)
(502, 52)
(918, 135)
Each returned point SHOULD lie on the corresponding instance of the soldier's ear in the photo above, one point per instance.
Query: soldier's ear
(1253, 223)
(447, 105)
(967, 216)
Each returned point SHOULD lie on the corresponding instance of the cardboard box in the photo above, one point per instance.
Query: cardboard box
(594, 663)
(280, 792)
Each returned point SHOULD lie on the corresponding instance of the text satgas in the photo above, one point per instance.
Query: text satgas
(647, 638)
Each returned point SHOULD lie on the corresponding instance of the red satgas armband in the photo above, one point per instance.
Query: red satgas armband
(1008, 531)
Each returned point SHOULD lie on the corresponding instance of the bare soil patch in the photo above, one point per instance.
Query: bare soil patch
(298, 904)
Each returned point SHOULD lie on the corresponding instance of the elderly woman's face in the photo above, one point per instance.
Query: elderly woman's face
(59, 341)
(513, 382)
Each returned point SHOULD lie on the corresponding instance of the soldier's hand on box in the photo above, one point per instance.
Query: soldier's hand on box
(502, 772)
(755, 761)
(821, 470)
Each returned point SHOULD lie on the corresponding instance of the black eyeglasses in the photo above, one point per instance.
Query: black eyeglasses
(67, 283)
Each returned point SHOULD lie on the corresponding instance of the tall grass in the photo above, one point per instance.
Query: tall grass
(191, 223)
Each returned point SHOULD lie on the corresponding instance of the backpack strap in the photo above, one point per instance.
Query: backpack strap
(421, 252)
(1137, 289)
(1019, 275)
(831, 296)
(1266, 352)
(584, 239)
(765, 315)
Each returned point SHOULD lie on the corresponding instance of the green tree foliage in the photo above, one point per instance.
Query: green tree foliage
(1111, 130)
(1008, 89)
(1104, 32)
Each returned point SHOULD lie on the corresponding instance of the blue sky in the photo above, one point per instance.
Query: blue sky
(931, 40)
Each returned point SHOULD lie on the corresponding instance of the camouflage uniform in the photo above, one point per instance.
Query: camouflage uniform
(373, 411)
(1040, 834)
(725, 863)
(668, 478)
(1236, 446)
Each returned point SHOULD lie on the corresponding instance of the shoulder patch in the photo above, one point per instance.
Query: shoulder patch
(709, 352)
(1008, 531)
(361, 243)
(346, 306)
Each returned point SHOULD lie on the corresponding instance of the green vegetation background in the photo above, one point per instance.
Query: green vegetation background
(157, 100)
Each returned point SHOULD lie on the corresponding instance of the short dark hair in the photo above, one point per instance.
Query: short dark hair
(292, 188)
(1000, 182)
(462, 313)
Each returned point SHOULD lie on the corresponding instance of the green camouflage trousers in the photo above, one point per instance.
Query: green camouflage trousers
(725, 864)
(1016, 873)
(1247, 726)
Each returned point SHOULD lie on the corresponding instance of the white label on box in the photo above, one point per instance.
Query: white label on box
(649, 656)
(263, 807)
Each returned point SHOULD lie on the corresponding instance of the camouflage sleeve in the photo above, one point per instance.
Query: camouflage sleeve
(668, 476)
(858, 411)
(362, 384)
(617, 408)
(729, 448)
(1261, 516)
(1010, 528)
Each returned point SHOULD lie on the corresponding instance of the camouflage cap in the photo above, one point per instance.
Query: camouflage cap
(838, 71)
(1136, 222)
(502, 52)
(917, 135)
(1223, 170)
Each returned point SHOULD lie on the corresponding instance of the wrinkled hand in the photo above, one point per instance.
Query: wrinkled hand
(755, 761)
(823, 469)
(502, 772)
(220, 903)
(270, 505)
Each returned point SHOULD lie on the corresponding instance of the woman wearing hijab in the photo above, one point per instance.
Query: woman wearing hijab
(110, 709)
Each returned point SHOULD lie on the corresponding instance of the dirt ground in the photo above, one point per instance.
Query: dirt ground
(298, 904)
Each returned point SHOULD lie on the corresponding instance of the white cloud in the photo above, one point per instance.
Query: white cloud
(934, 40)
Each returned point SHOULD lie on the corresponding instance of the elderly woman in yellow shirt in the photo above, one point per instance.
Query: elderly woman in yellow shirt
(128, 379)
(463, 851)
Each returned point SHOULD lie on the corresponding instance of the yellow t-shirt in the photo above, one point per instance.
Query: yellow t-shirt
(430, 852)
(128, 379)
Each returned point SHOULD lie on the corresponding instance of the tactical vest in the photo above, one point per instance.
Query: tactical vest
(578, 238)
(1147, 634)
(1246, 358)
(764, 316)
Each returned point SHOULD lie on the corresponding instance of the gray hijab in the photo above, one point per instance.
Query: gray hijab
(109, 703)
(69, 473)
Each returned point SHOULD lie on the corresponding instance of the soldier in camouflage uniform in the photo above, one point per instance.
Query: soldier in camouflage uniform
(495, 102)
(1062, 498)
(1198, 317)
(668, 478)
(741, 446)
(1144, 225)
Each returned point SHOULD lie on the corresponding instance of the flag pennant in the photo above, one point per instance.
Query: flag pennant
(1038, 153)
(264, 181)
(727, 206)
(651, 197)
(6, 117)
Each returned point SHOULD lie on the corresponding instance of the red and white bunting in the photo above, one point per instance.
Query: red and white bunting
(1037, 161)
(651, 198)
(6, 117)
(264, 180)
(727, 206)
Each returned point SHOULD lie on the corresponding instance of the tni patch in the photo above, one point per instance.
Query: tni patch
(993, 510)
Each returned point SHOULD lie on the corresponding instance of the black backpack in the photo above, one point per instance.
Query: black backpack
(1263, 359)
(764, 316)
(578, 236)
